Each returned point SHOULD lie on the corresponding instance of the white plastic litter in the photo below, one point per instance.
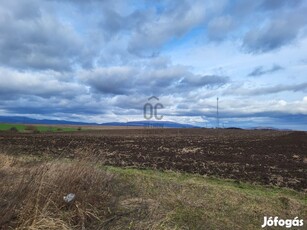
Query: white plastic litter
(69, 197)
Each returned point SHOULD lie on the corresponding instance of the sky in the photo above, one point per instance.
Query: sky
(100, 61)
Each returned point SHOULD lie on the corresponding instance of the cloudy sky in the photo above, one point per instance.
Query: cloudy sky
(100, 61)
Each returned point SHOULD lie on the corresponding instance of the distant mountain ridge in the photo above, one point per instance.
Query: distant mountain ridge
(269, 128)
(27, 120)
(166, 124)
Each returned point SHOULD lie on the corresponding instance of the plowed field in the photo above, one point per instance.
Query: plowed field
(260, 156)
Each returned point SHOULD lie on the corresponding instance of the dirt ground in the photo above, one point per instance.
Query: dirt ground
(258, 156)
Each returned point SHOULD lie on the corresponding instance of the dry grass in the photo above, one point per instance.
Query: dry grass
(186, 201)
(32, 193)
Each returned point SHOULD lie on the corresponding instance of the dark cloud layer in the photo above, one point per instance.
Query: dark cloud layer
(127, 80)
(31, 38)
(34, 37)
(256, 91)
(208, 81)
(279, 88)
(278, 4)
(260, 70)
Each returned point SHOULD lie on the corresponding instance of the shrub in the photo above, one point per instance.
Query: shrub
(32, 129)
(36, 131)
(14, 129)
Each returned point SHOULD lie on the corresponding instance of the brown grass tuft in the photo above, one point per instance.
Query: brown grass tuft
(33, 198)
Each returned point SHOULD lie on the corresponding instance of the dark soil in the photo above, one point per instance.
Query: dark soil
(261, 156)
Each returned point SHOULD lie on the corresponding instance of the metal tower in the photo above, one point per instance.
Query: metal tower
(217, 113)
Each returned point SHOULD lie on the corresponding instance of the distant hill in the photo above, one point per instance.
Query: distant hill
(27, 120)
(269, 128)
(165, 124)
(237, 128)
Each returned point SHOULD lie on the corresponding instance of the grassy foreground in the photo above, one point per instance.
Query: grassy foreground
(32, 193)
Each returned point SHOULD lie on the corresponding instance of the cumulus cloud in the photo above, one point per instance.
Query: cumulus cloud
(124, 80)
(279, 31)
(112, 80)
(31, 38)
(173, 23)
(43, 84)
(55, 107)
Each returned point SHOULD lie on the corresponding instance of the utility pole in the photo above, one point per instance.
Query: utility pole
(217, 112)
